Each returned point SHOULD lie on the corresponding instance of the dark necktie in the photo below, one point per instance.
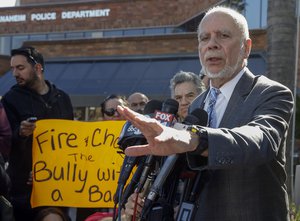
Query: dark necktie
(211, 107)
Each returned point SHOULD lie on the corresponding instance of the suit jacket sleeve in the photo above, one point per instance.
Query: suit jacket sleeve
(253, 129)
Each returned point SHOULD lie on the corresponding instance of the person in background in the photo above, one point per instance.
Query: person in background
(31, 96)
(240, 156)
(185, 87)
(109, 107)
(137, 102)
(5, 134)
(5, 148)
(109, 112)
(204, 78)
(51, 214)
(99, 216)
(4, 179)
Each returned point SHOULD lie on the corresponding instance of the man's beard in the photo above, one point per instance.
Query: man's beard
(29, 83)
(227, 71)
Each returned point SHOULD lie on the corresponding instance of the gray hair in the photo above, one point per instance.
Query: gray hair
(183, 76)
(237, 17)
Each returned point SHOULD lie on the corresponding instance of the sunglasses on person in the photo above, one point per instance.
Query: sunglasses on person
(30, 55)
(26, 52)
(110, 112)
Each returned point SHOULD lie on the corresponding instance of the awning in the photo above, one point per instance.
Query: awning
(88, 82)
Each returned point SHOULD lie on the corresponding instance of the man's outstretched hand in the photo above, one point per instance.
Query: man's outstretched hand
(162, 140)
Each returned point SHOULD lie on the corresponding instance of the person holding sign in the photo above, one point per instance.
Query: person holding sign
(51, 214)
(32, 98)
(109, 113)
(109, 107)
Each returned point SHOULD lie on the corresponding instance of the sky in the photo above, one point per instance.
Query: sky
(7, 3)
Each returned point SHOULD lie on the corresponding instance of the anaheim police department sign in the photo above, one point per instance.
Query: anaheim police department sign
(48, 16)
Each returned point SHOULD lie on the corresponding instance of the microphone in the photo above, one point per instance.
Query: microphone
(145, 173)
(131, 186)
(152, 106)
(170, 106)
(129, 136)
(197, 117)
(168, 112)
(166, 116)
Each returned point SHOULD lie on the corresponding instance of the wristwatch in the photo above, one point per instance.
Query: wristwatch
(201, 134)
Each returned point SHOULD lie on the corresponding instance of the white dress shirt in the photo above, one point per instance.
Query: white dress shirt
(224, 97)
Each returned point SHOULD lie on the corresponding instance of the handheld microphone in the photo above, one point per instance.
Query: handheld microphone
(131, 186)
(152, 106)
(165, 116)
(168, 112)
(170, 106)
(197, 117)
(130, 135)
(146, 170)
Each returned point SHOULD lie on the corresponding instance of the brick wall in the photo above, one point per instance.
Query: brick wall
(129, 13)
(259, 40)
(128, 46)
(37, 2)
(123, 14)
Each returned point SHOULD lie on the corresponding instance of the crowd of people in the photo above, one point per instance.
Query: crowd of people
(237, 160)
(35, 97)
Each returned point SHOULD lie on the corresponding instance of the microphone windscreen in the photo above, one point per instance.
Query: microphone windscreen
(191, 120)
(152, 106)
(201, 115)
(170, 106)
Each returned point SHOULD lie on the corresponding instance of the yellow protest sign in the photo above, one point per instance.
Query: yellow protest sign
(75, 164)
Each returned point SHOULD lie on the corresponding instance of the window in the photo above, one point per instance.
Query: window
(256, 13)
(18, 40)
(37, 37)
(113, 33)
(5, 45)
(56, 36)
(74, 35)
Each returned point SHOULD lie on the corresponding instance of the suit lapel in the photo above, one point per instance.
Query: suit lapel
(240, 93)
(199, 101)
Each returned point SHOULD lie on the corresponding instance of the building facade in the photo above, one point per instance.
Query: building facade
(95, 48)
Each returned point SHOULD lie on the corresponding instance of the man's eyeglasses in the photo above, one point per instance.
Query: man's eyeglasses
(110, 112)
(32, 58)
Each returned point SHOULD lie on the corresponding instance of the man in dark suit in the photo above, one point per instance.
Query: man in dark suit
(243, 177)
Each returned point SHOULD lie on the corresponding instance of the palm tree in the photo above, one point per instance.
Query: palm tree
(281, 53)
